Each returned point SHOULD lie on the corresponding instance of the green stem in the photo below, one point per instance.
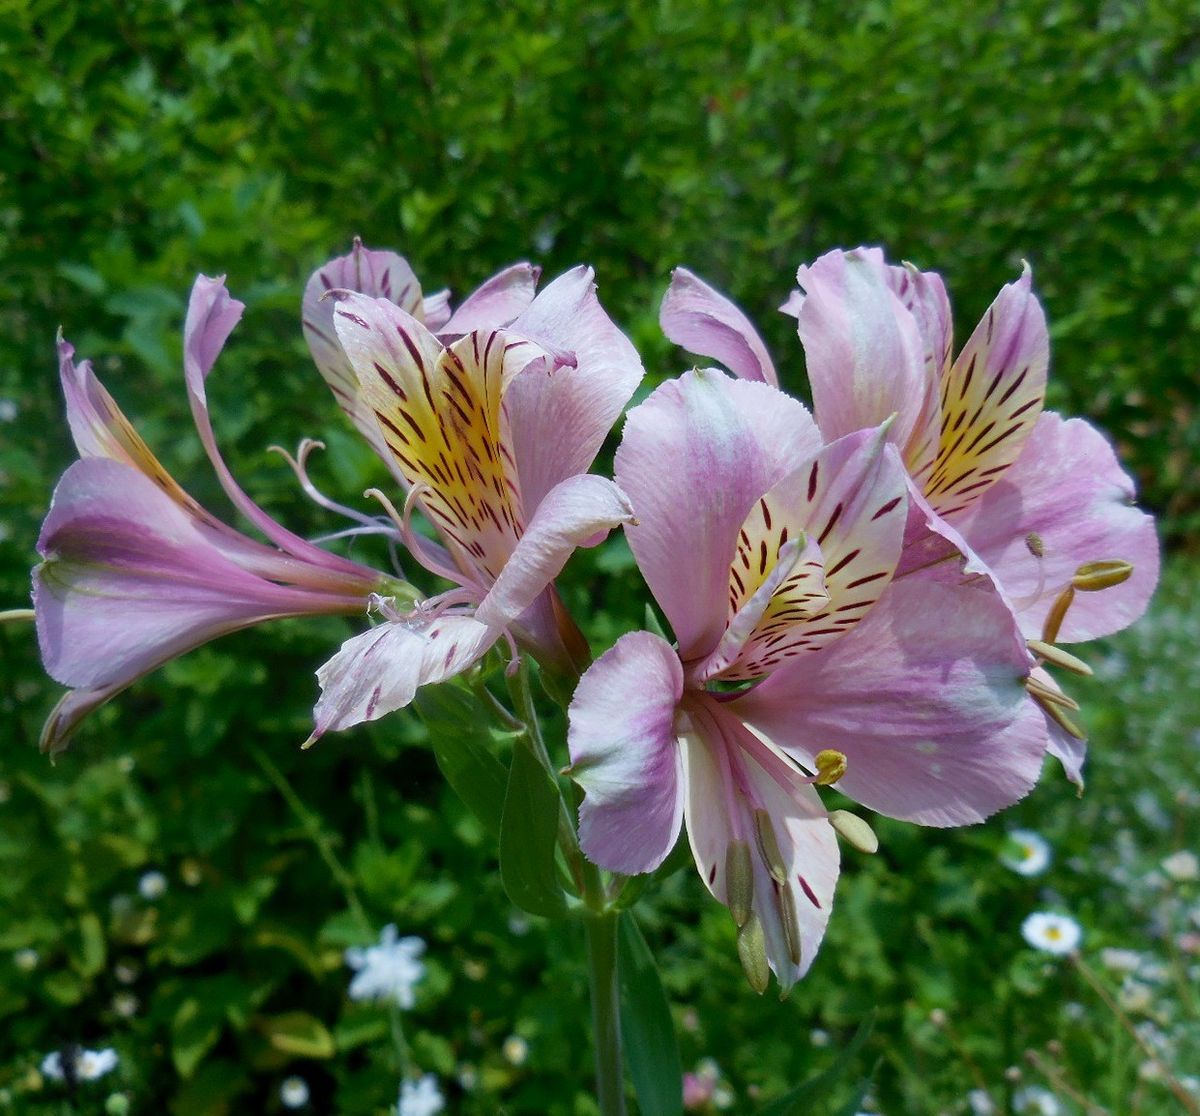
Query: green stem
(601, 930)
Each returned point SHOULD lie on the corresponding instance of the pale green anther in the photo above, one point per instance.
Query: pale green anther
(739, 881)
(1093, 576)
(1059, 657)
(752, 952)
(17, 616)
(831, 766)
(791, 922)
(856, 832)
(768, 846)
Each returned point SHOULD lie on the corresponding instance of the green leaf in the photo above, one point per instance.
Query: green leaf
(457, 730)
(529, 834)
(194, 1032)
(801, 1099)
(647, 1030)
(299, 1034)
(93, 946)
(652, 623)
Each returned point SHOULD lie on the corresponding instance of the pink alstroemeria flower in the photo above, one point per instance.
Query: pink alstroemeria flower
(134, 571)
(490, 430)
(1036, 502)
(800, 661)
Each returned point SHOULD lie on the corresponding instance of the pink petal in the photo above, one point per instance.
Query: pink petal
(130, 580)
(695, 457)
(698, 319)
(381, 670)
(990, 399)
(68, 713)
(863, 349)
(377, 275)
(926, 699)
(560, 418)
(435, 310)
(211, 316)
(496, 303)
(624, 754)
(579, 511)
(1068, 489)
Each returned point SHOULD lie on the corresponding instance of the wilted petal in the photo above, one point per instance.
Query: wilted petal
(381, 670)
(211, 316)
(624, 754)
(695, 457)
(69, 712)
(990, 399)
(698, 319)
(129, 580)
(863, 349)
(495, 303)
(925, 698)
(375, 274)
(1064, 502)
(559, 418)
(578, 512)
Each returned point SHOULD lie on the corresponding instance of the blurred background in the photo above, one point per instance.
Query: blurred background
(182, 885)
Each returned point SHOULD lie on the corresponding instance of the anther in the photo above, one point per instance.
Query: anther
(1045, 693)
(739, 882)
(831, 766)
(791, 922)
(856, 832)
(1094, 576)
(752, 952)
(1056, 714)
(1036, 547)
(768, 846)
(1056, 615)
(1058, 657)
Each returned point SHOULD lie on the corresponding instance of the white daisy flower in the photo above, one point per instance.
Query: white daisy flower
(88, 1064)
(8, 410)
(1037, 1101)
(420, 1098)
(389, 970)
(152, 885)
(26, 959)
(293, 1093)
(1182, 866)
(515, 1050)
(1120, 960)
(1027, 853)
(980, 1103)
(1052, 933)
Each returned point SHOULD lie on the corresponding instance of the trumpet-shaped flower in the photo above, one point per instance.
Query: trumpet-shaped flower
(1037, 503)
(801, 662)
(491, 431)
(134, 572)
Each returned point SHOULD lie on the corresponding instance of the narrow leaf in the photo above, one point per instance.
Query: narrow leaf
(457, 731)
(529, 834)
(801, 1099)
(298, 1034)
(647, 1030)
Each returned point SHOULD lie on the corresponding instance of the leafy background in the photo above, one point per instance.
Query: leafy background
(141, 143)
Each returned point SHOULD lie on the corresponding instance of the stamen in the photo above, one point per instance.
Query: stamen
(299, 465)
(856, 832)
(16, 615)
(1033, 542)
(739, 882)
(768, 846)
(1094, 576)
(791, 923)
(1057, 614)
(1055, 713)
(1058, 657)
(831, 766)
(752, 952)
(411, 541)
(1045, 693)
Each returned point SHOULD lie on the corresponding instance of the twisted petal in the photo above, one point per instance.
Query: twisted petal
(863, 348)
(494, 304)
(624, 754)
(990, 398)
(69, 712)
(578, 512)
(377, 275)
(380, 670)
(129, 580)
(925, 697)
(698, 319)
(560, 415)
(1067, 497)
(695, 457)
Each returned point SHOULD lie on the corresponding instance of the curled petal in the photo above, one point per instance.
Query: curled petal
(579, 511)
(494, 304)
(925, 698)
(698, 319)
(863, 349)
(69, 712)
(624, 754)
(695, 457)
(381, 670)
(1064, 502)
(560, 415)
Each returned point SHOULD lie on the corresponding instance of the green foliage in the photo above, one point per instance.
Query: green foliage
(142, 143)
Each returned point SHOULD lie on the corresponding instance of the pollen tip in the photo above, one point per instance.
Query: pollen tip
(831, 766)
